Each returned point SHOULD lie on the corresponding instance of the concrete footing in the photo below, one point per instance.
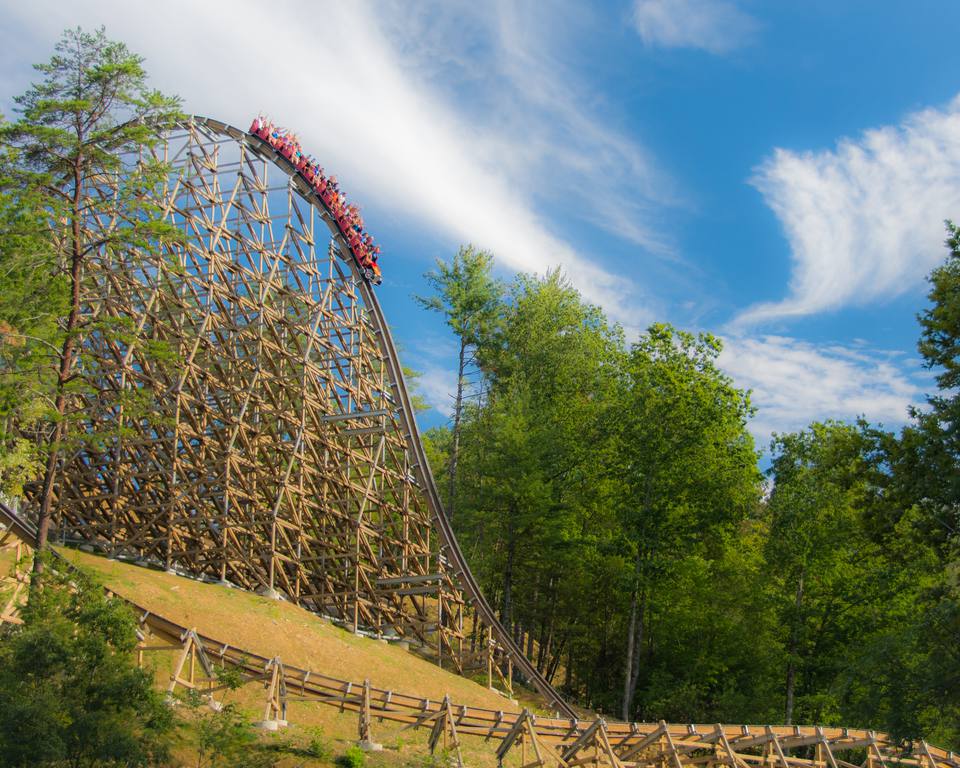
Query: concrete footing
(370, 746)
(271, 725)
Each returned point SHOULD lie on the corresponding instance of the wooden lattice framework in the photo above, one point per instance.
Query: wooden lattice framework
(271, 456)
(246, 414)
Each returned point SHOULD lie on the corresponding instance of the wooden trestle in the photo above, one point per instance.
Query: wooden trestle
(537, 742)
(245, 415)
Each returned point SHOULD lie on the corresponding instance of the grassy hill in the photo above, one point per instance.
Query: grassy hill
(277, 628)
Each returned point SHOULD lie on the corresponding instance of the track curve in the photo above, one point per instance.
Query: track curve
(449, 546)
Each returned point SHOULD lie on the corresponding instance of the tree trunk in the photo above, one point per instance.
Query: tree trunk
(628, 661)
(551, 670)
(631, 666)
(506, 612)
(793, 649)
(67, 352)
(455, 437)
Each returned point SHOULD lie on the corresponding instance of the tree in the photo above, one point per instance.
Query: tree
(70, 693)
(821, 557)
(530, 478)
(940, 427)
(686, 464)
(469, 298)
(31, 302)
(76, 162)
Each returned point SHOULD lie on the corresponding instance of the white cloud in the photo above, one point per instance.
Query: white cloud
(864, 221)
(795, 382)
(438, 387)
(384, 107)
(716, 26)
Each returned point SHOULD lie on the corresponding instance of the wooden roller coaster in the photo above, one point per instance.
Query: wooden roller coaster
(277, 449)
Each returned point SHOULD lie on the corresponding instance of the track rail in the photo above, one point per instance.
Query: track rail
(449, 546)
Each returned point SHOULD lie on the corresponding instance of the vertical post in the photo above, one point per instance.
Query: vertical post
(364, 713)
(489, 657)
(356, 582)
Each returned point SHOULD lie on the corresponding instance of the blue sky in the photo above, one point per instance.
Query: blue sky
(774, 172)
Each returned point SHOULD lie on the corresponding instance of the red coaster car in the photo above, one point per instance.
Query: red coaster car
(372, 273)
(348, 218)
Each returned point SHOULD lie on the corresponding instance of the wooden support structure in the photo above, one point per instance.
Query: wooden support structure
(523, 733)
(592, 747)
(273, 444)
(275, 683)
(192, 652)
(16, 582)
(246, 420)
(445, 731)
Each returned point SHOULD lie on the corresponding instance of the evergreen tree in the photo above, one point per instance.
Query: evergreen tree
(77, 161)
(469, 297)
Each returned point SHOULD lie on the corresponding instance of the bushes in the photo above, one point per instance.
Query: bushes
(352, 758)
(70, 692)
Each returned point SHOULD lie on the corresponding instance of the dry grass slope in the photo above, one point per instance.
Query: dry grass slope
(276, 628)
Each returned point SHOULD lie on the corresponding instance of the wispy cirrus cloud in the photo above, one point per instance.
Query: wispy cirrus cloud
(795, 382)
(715, 26)
(394, 99)
(864, 220)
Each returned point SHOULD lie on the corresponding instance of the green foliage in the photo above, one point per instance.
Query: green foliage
(596, 476)
(352, 758)
(224, 738)
(417, 400)
(319, 747)
(471, 301)
(439, 758)
(69, 690)
(610, 503)
(75, 168)
(466, 294)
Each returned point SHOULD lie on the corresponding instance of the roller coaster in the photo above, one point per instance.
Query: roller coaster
(279, 451)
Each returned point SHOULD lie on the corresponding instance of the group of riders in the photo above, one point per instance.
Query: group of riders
(347, 215)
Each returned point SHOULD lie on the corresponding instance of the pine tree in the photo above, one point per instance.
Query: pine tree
(470, 299)
(77, 161)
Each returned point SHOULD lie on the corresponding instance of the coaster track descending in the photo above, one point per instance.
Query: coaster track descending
(278, 449)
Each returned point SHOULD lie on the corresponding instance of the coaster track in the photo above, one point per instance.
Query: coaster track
(280, 450)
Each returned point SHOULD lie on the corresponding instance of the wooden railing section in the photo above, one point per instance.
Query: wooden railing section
(538, 741)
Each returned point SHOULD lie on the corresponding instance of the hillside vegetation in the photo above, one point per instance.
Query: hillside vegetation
(278, 628)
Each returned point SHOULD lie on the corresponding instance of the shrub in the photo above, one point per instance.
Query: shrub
(352, 758)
